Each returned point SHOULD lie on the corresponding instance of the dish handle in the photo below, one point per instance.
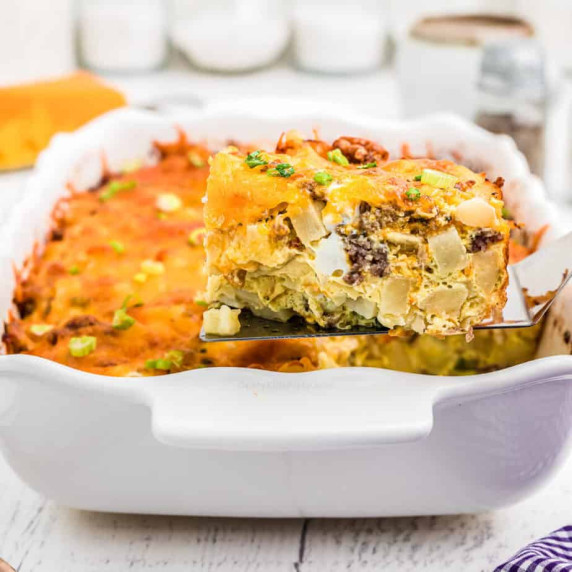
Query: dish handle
(239, 410)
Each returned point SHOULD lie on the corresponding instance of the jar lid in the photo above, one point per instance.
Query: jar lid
(514, 68)
(470, 29)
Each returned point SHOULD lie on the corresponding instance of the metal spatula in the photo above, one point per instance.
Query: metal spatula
(533, 285)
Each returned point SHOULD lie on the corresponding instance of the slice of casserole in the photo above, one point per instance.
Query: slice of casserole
(339, 236)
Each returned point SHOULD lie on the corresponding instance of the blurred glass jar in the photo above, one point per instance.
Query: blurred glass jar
(513, 96)
(123, 35)
(438, 61)
(233, 35)
(340, 37)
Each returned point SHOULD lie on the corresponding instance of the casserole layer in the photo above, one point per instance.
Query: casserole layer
(339, 236)
(131, 250)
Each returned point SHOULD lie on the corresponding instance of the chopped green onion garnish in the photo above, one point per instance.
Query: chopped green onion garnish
(162, 364)
(117, 246)
(417, 178)
(200, 302)
(413, 194)
(82, 346)
(172, 358)
(323, 178)
(115, 187)
(153, 267)
(175, 357)
(438, 178)
(138, 302)
(197, 236)
(196, 160)
(168, 202)
(122, 320)
(74, 270)
(281, 170)
(40, 329)
(255, 159)
(506, 214)
(368, 165)
(336, 156)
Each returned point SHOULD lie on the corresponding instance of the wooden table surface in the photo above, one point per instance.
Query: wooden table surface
(38, 535)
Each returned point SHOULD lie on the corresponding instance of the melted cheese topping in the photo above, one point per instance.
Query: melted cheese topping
(125, 252)
(80, 281)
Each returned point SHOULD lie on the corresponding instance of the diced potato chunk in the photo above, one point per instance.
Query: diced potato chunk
(394, 295)
(418, 325)
(448, 251)
(476, 212)
(444, 301)
(363, 307)
(254, 245)
(486, 265)
(221, 321)
(331, 256)
(403, 239)
(308, 224)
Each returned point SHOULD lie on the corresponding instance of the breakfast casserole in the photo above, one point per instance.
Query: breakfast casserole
(118, 287)
(341, 236)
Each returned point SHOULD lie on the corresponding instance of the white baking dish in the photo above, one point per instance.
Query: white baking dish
(237, 442)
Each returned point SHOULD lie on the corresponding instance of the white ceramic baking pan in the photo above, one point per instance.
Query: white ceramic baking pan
(239, 442)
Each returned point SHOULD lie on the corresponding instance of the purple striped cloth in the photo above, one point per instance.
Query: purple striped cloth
(553, 553)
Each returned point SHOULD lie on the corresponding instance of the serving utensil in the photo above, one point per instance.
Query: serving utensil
(534, 283)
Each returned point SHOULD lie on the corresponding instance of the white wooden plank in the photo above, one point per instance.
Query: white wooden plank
(465, 542)
(39, 536)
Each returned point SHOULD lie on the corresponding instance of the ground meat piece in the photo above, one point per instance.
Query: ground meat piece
(364, 208)
(481, 239)
(47, 307)
(365, 256)
(499, 182)
(373, 219)
(107, 363)
(84, 324)
(358, 150)
(78, 322)
(353, 277)
(316, 192)
(296, 243)
(14, 338)
(26, 307)
(57, 234)
(52, 337)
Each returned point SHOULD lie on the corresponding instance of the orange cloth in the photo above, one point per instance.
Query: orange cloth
(31, 114)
